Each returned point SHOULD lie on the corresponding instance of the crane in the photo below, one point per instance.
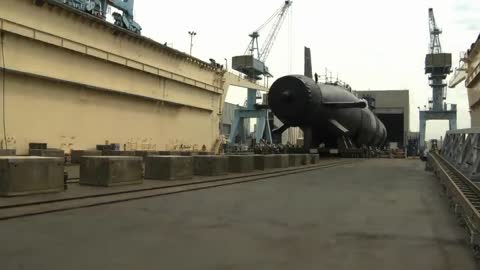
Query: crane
(279, 18)
(252, 63)
(438, 66)
(435, 31)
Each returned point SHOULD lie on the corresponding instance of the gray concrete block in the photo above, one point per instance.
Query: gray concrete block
(76, 155)
(30, 175)
(281, 161)
(202, 153)
(115, 153)
(182, 153)
(111, 171)
(210, 165)
(264, 162)
(73, 171)
(47, 153)
(168, 167)
(306, 160)
(241, 163)
(8, 152)
(294, 160)
(143, 153)
(314, 158)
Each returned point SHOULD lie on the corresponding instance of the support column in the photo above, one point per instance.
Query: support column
(453, 123)
(235, 127)
(423, 126)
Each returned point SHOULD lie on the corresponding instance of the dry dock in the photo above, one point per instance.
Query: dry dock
(375, 214)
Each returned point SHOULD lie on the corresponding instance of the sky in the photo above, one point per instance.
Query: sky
(371, 44)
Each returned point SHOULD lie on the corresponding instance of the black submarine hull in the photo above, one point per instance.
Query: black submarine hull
(325, 113)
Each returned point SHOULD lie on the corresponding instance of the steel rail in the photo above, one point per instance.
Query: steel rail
(52, 206)
(464, 194)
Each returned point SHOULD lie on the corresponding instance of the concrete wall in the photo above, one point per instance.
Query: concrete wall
(72, 117)
(74, 81)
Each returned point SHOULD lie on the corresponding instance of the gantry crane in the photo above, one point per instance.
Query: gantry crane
(438, 65)
(252, 64)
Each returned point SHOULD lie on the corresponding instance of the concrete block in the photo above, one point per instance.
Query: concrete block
(115, 153)
(168, 167)
(241, 163)
(73, 171)
(202, 153)
(143, 154)
(111, 171)
(76, 155)
(30, 175)
(210, 165)
(37, 146)
(175, 153)
(306, 160)
(47, 153)
(281, 161)
(294, 160)
(264, 162)
(8, 152)
(314, 158)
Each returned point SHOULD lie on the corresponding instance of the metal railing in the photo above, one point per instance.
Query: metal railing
(462, 149)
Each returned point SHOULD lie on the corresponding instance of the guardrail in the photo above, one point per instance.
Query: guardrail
(463, 195)
(462, 149)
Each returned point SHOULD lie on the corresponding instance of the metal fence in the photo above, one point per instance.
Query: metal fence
(462, 149)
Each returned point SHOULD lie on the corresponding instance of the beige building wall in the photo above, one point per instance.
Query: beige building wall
(73, 117)
(74, 81)
(473, 83)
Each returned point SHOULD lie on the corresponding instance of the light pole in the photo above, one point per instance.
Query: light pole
(192, 34)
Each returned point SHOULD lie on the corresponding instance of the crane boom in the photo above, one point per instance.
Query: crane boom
(435, 31)
(267, 46)
(252, 63)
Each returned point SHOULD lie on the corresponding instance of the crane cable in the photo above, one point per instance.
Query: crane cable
(4, 74)
(269, 19)
(290, 41)
(274, 15)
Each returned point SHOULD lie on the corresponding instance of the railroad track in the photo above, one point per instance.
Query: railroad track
(464, 196)
(57, 205)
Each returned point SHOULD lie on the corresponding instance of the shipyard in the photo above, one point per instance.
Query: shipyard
(200, 135)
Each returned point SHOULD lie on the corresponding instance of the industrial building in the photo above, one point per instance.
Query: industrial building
(392, 108)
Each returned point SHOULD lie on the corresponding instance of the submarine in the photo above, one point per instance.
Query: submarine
(328, 114)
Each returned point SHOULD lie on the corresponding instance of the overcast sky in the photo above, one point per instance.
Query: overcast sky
(372, 44)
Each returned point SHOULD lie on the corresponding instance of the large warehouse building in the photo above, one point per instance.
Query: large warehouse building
(393, 109)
